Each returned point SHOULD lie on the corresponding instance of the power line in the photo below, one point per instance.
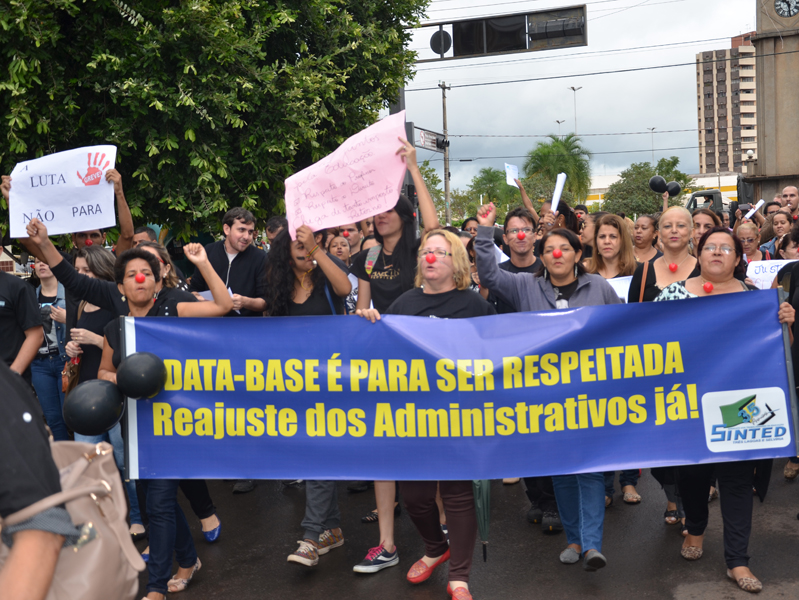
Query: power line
(494, 15)
(468, 159)
(631, 70)
(503, 4)
(575, 55)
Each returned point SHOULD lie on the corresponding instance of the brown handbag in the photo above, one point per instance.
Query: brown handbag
(71, 373)
(643, 282)
(103, 563)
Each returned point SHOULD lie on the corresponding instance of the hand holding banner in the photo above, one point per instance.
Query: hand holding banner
(67, 191)
(362, 178)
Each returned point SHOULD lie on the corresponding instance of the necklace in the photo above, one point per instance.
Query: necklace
(673, 267)
(383, 258)
(302, 281)
(638, 259)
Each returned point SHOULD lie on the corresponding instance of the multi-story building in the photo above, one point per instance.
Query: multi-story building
(725, 87)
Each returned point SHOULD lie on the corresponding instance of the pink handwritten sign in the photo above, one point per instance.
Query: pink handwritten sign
(362, 178)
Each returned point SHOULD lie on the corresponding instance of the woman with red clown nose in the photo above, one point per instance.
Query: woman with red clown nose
(442, 290)
(561, 282)
(721, 266)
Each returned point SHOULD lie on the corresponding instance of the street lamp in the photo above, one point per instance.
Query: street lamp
(652, 132)
(575, 90)
(559, 122)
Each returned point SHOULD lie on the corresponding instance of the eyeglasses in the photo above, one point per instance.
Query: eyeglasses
(712, 248)
(438, 253)
(525, 231)
(747, 240)
(471, 229)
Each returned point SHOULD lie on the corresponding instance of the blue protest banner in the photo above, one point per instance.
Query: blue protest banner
(568, 391)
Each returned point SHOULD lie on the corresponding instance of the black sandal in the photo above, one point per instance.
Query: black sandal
(671, 514)
(370, 518)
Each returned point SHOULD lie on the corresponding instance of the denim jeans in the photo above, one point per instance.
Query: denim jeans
(46, 379)
(581, 500)
(114, 437)
(169, 533)
(627, 477)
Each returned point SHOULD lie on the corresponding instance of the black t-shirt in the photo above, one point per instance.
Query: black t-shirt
(166, 305)
(317, 303)
(50, 341)
(384, 281)
(19, 311)
(27, 471)
(90, 359)
(564, 293)
(455, 304)
(502, 306)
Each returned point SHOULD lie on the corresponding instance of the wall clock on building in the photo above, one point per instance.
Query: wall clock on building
(786, 8)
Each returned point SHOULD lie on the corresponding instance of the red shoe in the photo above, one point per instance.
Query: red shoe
(461, 593)
(420, 572)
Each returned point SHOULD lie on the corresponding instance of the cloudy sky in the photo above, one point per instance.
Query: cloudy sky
(622, 34)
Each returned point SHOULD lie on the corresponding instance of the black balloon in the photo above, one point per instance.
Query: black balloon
(657, 184)
(93, 407)
(673, 188)
(141, 375)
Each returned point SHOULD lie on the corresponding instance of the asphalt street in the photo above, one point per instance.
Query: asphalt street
(259, 530)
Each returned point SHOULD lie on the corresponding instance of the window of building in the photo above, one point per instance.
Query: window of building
(747, 79)
(748, 103)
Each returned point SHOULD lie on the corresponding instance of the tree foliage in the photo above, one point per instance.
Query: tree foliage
(631, 195)
(562, 155)
(212, 103)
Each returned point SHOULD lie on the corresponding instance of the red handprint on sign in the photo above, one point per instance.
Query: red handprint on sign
(94, 173)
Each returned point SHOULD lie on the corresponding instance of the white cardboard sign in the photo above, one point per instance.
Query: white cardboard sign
(67, 191)
(763, 272)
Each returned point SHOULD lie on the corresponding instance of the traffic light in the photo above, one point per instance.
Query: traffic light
(441, 143)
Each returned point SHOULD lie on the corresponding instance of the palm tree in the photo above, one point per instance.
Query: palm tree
(565, 155)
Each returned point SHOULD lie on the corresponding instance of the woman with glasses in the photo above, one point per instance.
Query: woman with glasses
(441, 291)
(720, 261)
(561, 282)
(645, 236)
(750, 241)
(470, 226)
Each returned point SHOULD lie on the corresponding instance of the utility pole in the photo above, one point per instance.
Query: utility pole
(559, 122)
(652, 131)
(444, 89)
(575, 90)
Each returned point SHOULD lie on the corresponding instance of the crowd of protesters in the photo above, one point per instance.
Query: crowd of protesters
(537, 261)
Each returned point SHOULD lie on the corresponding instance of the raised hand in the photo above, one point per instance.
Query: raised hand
(487, 214)
(407, 152)
(195, 253)
(305, 237)
(113, 176)
(787, 314)
(37, 231)
(5, 186)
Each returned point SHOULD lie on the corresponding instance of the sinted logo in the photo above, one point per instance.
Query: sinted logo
(746, 420)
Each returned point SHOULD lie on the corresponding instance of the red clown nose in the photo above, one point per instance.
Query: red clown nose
(520, 235)
(139, 277)
(346, 234)
(708, 287)
(673, 267)
(557, 253)
(431, 258)
(88, 243)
